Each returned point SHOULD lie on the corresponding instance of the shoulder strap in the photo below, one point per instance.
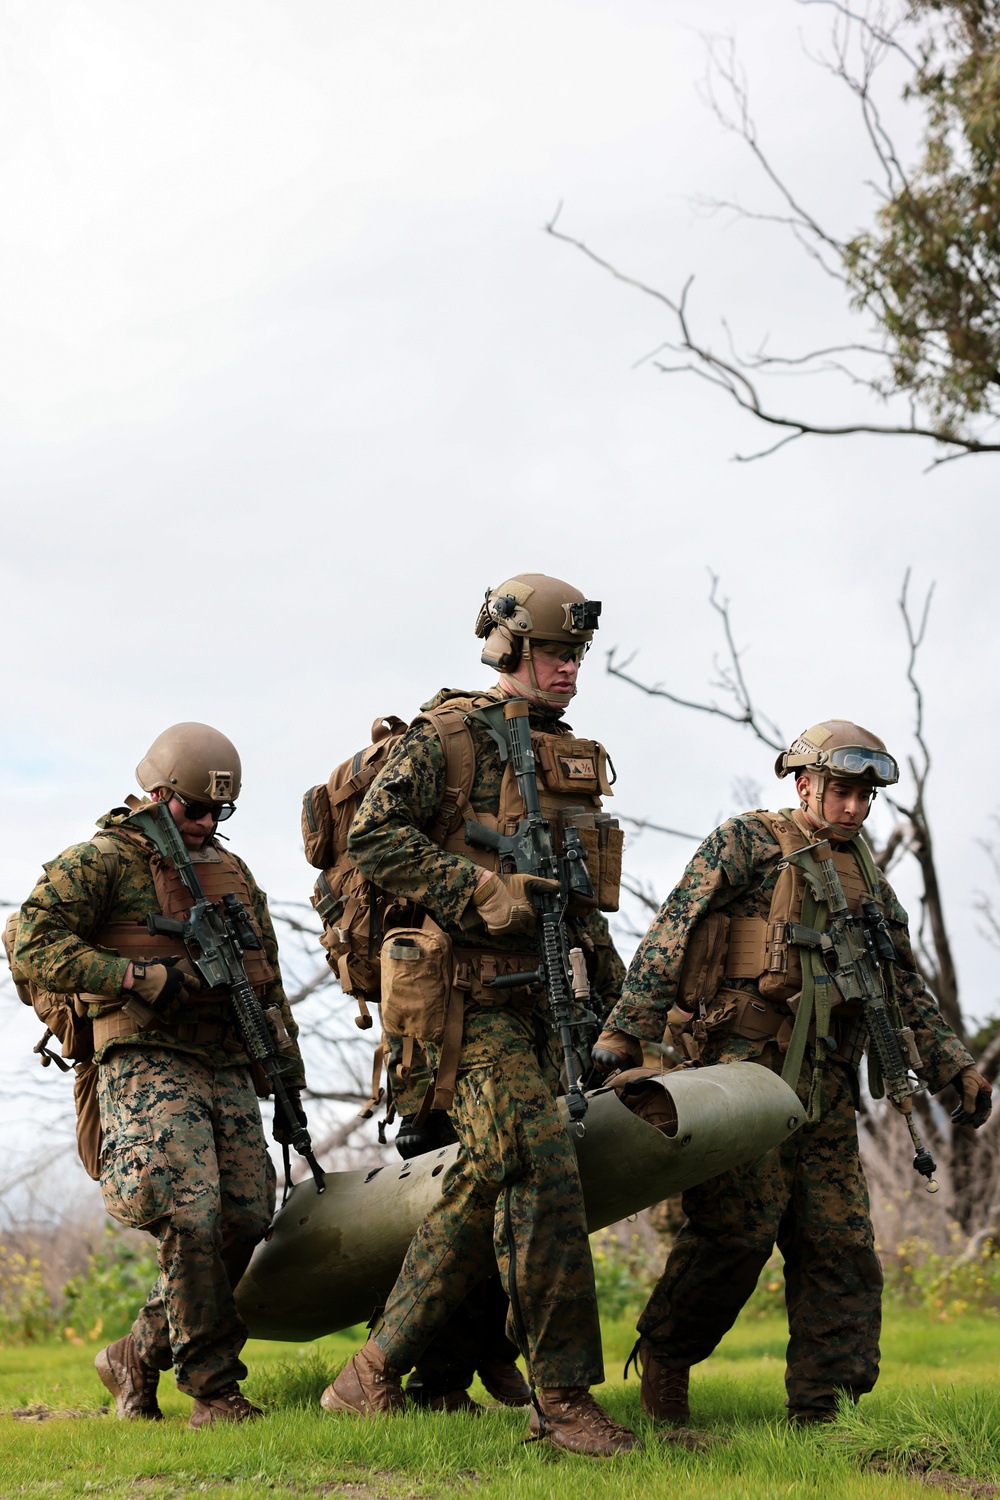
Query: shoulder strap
(864, 857)
(782, 829)
(107, 845)
(459, 770)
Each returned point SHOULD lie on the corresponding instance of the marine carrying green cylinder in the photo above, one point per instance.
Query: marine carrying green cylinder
(329, 1261)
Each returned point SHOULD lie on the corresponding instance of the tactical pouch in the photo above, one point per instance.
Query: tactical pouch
(89, 1137)
(781, 970)
(420, 1003)
(569, 764)
(704, 964)
(757, 1020)
(317, 827)
(603, 842)
(416, 981)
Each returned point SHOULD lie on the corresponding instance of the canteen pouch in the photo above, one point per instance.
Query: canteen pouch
(416, 965)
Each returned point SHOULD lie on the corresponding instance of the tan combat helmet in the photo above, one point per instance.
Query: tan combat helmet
(194, 762)
(533, 607)
(838, 750)
(842, 750)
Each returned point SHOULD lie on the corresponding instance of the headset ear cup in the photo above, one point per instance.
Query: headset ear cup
(511, 659)
(500, 652)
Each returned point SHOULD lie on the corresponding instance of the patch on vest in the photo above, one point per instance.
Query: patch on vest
(578, 767)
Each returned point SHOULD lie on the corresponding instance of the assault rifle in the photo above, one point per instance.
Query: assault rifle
(531, 850)
(853, 948)
(216, 934)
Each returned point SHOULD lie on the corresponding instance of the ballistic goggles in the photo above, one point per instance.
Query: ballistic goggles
(853, 761)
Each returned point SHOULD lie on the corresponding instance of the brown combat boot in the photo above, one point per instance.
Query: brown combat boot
(505, 1383)
(132, 1383)
(224, 1406)
(367, 1386)
(455, 1401)
(574, 1420)
(664, 1392)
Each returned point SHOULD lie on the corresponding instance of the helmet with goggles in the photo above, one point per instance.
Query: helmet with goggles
(532, 612)
(842, 751)
(196, 764)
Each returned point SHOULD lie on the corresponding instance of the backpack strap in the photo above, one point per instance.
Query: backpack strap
(107, 846)
(459, 771)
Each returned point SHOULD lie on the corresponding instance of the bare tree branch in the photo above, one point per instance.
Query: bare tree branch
(642, 892)
(731, 680)
(733, 380)
(643, 824)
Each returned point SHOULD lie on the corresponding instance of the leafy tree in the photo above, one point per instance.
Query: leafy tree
(926, 274)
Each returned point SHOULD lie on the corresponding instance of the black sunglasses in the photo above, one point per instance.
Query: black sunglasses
(220, 811)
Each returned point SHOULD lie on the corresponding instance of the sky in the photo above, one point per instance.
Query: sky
(290, 373)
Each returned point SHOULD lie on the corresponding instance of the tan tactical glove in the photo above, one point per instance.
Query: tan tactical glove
(156, 985)
(504, 902)
(616, 1049)
(976, 1098)
(193, 982)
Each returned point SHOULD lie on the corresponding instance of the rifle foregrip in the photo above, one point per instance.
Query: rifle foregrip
(885, 1042)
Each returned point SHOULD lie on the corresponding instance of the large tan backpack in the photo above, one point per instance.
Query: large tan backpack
(65, 1018)
(354, 911)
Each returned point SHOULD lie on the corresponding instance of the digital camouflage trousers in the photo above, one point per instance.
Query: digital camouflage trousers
(184, 1158)
(808, 1197)
(511, 1200)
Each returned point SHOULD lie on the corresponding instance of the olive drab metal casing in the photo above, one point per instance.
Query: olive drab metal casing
(329, 1261)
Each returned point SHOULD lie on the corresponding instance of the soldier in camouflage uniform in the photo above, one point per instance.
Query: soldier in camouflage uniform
(512, 1199)
(184, 1155)
(473, 1341)
(716, 973)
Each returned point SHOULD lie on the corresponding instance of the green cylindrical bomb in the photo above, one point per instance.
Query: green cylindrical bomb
(329, 1261)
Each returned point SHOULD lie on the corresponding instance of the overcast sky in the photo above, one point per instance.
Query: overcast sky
(290, 373)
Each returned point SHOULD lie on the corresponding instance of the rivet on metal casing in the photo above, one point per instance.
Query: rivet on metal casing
(686, 1141)
(305, 1220)
(793, 1120)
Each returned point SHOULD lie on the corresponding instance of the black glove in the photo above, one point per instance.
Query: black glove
(284, 1128)
(435, 1132)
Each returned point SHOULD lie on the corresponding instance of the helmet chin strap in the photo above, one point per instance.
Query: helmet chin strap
(515, 688)
(835, 831)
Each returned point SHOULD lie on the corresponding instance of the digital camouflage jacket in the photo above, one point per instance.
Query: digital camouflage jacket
(734, 871)
(389, 844)
(74, 899)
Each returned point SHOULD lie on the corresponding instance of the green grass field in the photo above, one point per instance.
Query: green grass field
(932, 1425)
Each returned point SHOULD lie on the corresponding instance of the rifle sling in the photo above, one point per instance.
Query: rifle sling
(818, 988)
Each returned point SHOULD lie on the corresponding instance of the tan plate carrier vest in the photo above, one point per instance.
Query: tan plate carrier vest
(757, 948)
(66, 1016)
(219, 873)
(572, 778)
